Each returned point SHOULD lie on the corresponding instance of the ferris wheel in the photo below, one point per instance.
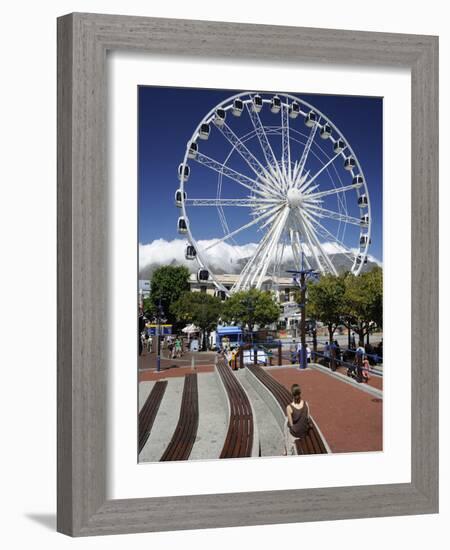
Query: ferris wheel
(272, 170)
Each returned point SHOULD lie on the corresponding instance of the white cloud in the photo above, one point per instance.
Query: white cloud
(223, 256)
(161, 252)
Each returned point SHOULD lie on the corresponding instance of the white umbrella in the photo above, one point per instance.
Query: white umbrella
(190, 329)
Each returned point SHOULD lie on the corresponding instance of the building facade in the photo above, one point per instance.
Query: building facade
(284, 289)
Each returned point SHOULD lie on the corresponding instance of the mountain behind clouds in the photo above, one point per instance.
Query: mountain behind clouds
(226, 258)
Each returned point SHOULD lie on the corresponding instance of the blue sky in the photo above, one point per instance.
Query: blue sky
(167, 119)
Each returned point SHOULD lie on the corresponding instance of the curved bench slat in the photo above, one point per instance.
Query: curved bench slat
(149, 411)
(183, 438)
(239, 439)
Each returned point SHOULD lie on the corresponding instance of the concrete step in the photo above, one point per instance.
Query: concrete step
(213, 420)
(270, 436)
(165, 422)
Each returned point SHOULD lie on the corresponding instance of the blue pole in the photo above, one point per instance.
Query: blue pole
(302, 358)
(158, 358)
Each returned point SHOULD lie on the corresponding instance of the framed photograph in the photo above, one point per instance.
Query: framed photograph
(247, 259)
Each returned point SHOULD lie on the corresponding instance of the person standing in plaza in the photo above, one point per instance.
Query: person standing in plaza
(308, 354)
(171, 347)
(359, 358)
(365, 369)
(178, 347)
(326, 353)
(149, 343)
(141, 325)
(337, 348)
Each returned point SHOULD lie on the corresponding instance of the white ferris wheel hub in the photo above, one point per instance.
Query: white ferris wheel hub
(294, 198)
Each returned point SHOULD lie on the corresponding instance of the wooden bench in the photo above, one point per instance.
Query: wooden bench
(149, 411)
(313, 442)
(240, 434)
(183, 438)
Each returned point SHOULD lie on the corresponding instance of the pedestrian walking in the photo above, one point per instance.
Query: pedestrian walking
(149, 343)
(308, 354)
(178, 347)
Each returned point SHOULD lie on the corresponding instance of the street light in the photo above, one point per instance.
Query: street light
(250, 306)
(159, 315)
(301, 277)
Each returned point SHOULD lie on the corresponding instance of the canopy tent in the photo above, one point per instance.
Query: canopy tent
(190, 330)
(228, 330)
(229, 336)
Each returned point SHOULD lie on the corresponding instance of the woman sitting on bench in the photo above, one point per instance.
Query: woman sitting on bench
(297, 422)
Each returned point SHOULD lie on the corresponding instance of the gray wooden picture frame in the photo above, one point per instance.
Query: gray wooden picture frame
(83, 41)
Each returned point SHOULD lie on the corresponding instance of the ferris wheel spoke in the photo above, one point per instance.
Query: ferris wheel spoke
(315, 196)
(268, 222)
(296, 244)
(327, 234)
(296, 247)
(318, 244)
(246, 273)
(303, 257)
(258, 264)
(220, 202)
(267, 257)
(297, 234)
(285, 145)
(245, 181)
(320, 212)
(262, 136)
(311, 242)
(249, 158)
(253, 266)
(272, 212)
(278, 261)
(305, 185)
(305, 152)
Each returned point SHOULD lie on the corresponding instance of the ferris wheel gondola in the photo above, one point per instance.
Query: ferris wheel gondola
(257, 103)
(190, 253)
(275, 105)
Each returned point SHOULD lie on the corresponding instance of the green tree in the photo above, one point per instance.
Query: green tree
(325, 301)
(364, 301)
(251, 307)
(168, 283)
(198, 308)
(148, 307)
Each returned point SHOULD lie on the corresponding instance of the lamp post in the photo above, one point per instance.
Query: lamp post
(251, 309)
(158, 341)
(301, 277)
